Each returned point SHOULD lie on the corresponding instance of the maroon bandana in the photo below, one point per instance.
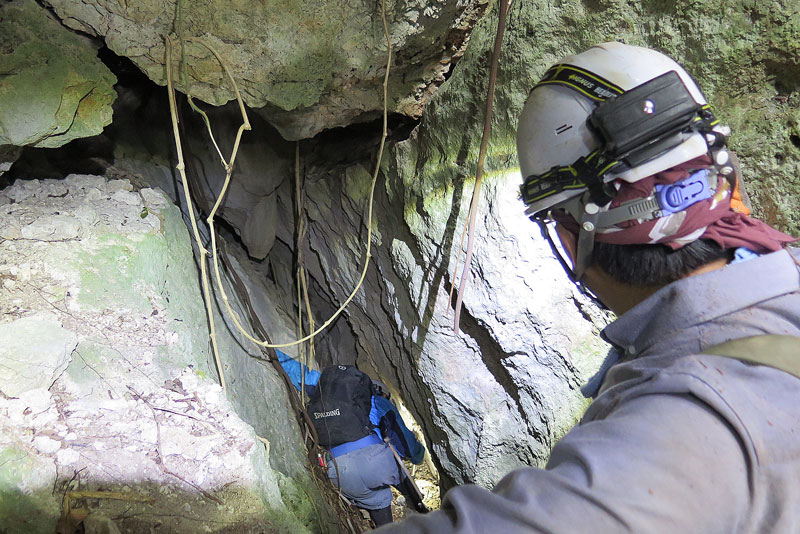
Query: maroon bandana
(722, 218)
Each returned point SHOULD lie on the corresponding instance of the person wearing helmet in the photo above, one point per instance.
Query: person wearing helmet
(695, 423)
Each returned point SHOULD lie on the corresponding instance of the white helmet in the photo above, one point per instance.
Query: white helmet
(615, 111)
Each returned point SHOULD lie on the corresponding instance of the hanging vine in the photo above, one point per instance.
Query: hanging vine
(229, 166)
(469, 225)
(306, 350)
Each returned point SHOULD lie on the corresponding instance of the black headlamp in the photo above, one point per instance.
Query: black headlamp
(647, 120)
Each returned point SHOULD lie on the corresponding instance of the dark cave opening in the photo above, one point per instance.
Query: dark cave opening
(141, 133)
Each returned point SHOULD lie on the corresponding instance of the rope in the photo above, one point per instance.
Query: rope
(487, 128)
(229, 170)
(306, 353)
(181, 167)
(238, 285)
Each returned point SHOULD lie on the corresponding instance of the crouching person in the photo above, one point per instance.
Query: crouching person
(364, 435)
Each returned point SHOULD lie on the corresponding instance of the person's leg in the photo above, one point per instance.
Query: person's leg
(413, 499)
(381, 516)
(364, 476)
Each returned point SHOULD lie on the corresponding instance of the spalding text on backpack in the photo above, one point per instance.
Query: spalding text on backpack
(340, 407)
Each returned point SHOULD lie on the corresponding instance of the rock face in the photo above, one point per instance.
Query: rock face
(486, 397)
(108, 384)
(489, 399)
(309, 66)
(8, 155)
(34, 351)
(53, 89)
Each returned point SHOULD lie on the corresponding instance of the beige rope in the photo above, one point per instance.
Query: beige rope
(229, 166)
(181, 167)
(487, 128)
(367, 255)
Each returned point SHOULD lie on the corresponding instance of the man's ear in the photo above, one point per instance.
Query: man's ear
(569, 242)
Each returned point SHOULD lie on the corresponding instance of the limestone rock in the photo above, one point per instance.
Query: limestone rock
(308, 66)
(250, 204)
(747, 64)
(492, 399)
(497, 395)
(136, 409)
(53, 89)
(261, 226)
(8, 155)
(34, 350)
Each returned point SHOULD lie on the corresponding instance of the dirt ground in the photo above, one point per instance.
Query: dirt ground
(428, 484)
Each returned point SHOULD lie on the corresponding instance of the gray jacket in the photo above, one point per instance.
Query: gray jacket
(676, 441)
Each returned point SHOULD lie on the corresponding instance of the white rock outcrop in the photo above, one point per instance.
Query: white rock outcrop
(106, 380)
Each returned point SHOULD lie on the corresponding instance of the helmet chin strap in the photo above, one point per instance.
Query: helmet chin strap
(567, 269)
(588, 227)
(587, 214)
(591, 171)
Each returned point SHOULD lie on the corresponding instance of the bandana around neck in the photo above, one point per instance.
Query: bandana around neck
(722, 218)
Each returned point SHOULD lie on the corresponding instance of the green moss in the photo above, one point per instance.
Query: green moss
(312, 41)
(299, 501)
(111, 275)
(53, 89)
(26, 500)
(121, 274)
(357, 183)
(167, 358)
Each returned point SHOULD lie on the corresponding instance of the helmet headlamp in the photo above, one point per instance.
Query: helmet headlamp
(612, 114)
(633, 127)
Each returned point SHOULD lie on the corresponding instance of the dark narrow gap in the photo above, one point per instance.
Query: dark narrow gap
(92, 155)
(139, 101)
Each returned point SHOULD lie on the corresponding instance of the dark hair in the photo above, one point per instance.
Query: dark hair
(655, 265)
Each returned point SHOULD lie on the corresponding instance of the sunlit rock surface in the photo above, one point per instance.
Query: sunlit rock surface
(108, 383)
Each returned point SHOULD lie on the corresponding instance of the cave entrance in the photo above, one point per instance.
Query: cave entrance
(137, 148)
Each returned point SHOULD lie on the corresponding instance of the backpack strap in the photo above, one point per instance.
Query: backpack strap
(780, 352)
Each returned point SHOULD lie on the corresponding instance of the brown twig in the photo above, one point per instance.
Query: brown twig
(184, 415)
(487, 128)
(160, 461)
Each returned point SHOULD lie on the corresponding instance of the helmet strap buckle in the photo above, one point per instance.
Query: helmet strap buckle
(588, 227)
(558, 253)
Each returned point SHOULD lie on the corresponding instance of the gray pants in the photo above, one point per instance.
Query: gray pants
(365, 475)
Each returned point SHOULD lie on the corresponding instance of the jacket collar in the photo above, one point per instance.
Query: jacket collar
(699, 299)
